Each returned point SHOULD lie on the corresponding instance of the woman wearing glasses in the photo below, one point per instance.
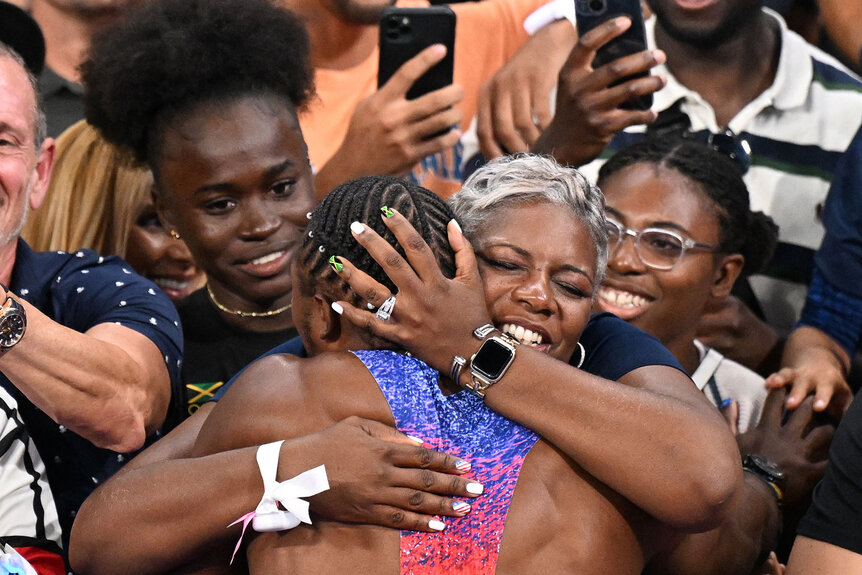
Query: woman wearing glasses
(680, 234)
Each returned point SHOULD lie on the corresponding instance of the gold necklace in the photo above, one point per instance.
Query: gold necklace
(241, 313)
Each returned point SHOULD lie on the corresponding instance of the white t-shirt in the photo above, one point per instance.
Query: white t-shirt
(720, 378)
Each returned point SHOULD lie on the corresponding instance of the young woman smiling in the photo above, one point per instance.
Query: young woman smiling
(681, 233)
(231, 168)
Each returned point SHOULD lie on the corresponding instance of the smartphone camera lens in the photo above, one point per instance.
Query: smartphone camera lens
(597, 5)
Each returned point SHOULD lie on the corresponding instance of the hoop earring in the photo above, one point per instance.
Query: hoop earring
(174, 234)
(583, 355)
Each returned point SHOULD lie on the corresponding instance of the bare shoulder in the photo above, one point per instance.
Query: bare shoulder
(282, 396)
(345, 387)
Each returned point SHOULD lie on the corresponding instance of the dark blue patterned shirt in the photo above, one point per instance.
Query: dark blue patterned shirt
(79, 291)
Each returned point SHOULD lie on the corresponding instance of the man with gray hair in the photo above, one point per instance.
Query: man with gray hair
(89, 351)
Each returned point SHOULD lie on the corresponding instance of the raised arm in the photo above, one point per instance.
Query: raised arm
(605, 426)
(588, 110)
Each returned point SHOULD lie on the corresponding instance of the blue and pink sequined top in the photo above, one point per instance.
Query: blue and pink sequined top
(459, 424)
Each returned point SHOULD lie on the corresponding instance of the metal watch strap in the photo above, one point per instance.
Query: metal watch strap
(458, 364)
(477, 386)
(482, 331)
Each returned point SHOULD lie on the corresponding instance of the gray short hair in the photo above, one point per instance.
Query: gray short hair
(40, 123)
(528, 178)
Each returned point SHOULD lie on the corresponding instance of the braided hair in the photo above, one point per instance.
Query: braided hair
(328, 233)
(741, 231)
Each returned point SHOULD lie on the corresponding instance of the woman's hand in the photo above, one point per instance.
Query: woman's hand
(433, 317)
(384, 477)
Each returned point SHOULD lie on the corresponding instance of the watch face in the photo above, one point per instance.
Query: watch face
(766, 466)
(12, 329)
(492, 359)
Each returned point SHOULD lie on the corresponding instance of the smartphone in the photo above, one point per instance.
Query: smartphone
(593, 13)
(404, 32)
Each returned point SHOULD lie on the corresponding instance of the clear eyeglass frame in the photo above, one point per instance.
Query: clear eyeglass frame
(655, 258)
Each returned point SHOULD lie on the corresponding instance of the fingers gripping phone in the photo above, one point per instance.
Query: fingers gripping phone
(593, 13)
(404, 32)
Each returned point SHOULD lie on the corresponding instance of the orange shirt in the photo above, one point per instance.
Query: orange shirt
(487, 33)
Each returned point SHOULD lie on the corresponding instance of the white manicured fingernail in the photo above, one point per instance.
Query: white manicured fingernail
(416, 439)
(336, 307)
(457, 225)
(475, 488)
(357, 228)
(436, 525)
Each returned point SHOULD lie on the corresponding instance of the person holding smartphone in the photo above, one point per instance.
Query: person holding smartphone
(355, 129)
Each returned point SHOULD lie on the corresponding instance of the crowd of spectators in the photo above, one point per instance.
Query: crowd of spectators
(244, 284)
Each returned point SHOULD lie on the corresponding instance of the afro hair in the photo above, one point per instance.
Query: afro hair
(170, 55)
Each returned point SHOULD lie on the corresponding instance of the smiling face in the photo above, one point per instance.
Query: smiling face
(154, 254)
(538, 284)
(235, 182)
(24, 170)
(666, 303)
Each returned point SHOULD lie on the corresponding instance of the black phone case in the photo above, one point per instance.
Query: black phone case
(404, 32)
(593, 13)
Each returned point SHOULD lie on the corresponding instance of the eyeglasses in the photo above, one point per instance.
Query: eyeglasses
(657, 248)
(674, 122)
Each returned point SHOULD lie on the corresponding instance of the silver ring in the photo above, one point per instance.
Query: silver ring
(385, 309)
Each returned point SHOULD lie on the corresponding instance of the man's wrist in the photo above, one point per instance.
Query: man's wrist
(767, 472)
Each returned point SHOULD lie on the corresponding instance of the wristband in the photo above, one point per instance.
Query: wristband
(267, 516)
(766, 471)
(550, 12)
(776, 490)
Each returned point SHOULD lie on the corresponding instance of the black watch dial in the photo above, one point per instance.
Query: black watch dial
(11, 330)
(492, 359)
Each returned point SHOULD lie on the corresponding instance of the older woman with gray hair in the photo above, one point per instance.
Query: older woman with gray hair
(525, 179)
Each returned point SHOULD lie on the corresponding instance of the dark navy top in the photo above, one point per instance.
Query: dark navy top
(79, 291)
(834, 301)
(614, 348)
